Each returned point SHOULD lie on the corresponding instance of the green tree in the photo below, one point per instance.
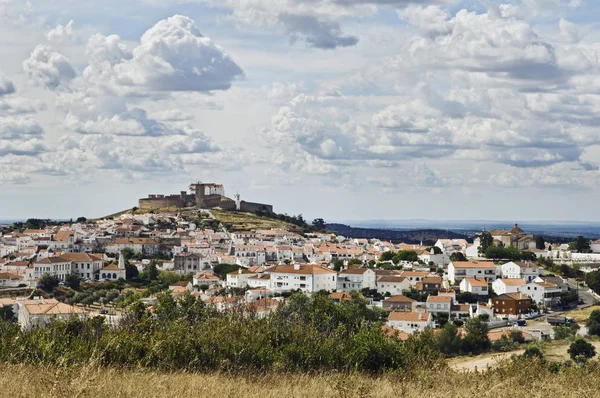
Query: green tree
(354, 261)
(563, 332)
(580, 245)
(540, 243)
(81, 220)
(593, 323)
(7, 314)
(467, 297)
(476, 339)
(408, 255)
(128, 253)
(533, 352)
(152, 271)
(457, 256)
(319, 224)
(221, 270)
(449, 341)
(485, 241)
(338, 265)
(48, 282)
(580, 351)
(436, 250)
(592, 279)
(387, 256)
(73, 281)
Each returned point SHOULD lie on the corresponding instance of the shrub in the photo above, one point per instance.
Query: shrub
(580, 351)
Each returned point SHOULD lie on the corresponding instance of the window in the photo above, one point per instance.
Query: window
(439, 306)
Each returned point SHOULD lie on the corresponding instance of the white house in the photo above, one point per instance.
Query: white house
(545, 294)
(475, 286)
(8, 279)
(260, 281)
(393, 284)
(503, 286)
(439, 304)
(306, 277)
(83, 264)
(410, 322)
(239, 278)
(56, 266)
(356, 279)
(449, 246)
(39, 313)
(595, 246)
(457, 270)
(518, 269)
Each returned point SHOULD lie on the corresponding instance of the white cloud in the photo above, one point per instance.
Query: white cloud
(172, 56)
(48, 68)
(6, 86)
(61, 33)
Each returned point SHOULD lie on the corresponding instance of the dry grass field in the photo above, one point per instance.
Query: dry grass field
(235, 221)
(529, 379)
(581, 315)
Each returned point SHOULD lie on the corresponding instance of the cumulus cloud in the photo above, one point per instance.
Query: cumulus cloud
(61, 33)
(6, 86)
(48, 68)
(316, 33)
(316, 22)
(172, 56)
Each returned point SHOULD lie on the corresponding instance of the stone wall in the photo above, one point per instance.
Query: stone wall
(249, 207)
(159, 203)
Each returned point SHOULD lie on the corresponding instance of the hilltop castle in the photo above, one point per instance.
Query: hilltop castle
(202, 196)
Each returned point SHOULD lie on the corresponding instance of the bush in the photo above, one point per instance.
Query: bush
(565, 331)
(48, 282)
(593, 323)
(533, 352)
(580, 351)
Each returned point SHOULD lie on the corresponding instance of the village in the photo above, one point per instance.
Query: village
(418, 287)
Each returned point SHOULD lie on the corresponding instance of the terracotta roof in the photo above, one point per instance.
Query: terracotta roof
(513, 281)
(111, 267)
(303, 269)
(474, 282)
(354, 271)
(409, 316)
(473, 264)
(52, 260)
(513, 296)
(391, 279)
(341, 296)
(80, 257)
(400, 299)
(52, 309)
(439, 299)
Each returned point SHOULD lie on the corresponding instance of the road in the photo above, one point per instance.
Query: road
(584, 295)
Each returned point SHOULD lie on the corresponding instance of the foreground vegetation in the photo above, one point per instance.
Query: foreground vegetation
(521, 377)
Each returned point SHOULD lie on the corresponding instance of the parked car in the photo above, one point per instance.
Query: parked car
(103, 312)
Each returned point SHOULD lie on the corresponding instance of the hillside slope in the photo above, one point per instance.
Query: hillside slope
(427, 236)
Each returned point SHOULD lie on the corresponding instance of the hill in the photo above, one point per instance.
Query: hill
(238, 221)
(427, 236)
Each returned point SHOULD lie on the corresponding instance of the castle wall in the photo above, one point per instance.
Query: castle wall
(153, 204)
(250, 207)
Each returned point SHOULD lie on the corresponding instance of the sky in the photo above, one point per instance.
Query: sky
(340, 109)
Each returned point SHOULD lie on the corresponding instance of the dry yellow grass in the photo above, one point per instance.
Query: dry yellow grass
(236, 221)
(524, 379)
(582, 315)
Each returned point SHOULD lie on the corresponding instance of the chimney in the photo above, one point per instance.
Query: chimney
(297, 266)
(420, 315)
(239, 271)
